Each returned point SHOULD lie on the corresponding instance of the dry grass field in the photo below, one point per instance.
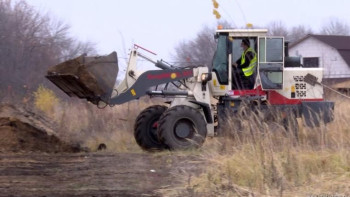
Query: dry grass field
(262, 159)
(267, 160)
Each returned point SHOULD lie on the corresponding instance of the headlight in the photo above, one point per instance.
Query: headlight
(204, 77)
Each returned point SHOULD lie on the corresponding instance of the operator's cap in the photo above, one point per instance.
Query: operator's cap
(246, 42)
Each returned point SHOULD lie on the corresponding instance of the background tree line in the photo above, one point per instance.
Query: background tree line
(201, 49)
(30, 42)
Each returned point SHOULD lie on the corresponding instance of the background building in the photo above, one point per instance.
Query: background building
(330, 52)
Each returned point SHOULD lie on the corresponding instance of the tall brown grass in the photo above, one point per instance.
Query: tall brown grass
(266, 159)
(83, 123)
(80, 122)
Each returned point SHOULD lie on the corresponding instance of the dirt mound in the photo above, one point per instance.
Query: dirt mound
(21, 131)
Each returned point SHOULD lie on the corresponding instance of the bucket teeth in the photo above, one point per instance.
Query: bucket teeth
(72, 86)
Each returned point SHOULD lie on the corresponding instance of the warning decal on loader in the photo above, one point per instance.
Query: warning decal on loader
(173, 75)
(133, 92)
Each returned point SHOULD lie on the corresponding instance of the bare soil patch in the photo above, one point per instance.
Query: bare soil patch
(34, 161)
(96, 174)
(24, 131)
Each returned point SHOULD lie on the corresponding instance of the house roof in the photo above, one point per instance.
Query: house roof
(340, 43)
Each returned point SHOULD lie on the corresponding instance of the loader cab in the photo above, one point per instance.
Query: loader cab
(269, 53)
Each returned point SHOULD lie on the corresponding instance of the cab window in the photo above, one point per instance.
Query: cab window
(271, 62)
(220, 61)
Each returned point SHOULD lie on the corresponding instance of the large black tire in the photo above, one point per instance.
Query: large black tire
(182, 127)
(145, 128)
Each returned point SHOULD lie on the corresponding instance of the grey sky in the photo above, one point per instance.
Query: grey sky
(160, 25)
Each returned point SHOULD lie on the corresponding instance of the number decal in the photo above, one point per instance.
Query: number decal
(300, 86)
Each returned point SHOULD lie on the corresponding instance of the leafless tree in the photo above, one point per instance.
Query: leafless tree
(277, 28)
(298, 32)
(30, 42)
(200, 50)
(335, 27)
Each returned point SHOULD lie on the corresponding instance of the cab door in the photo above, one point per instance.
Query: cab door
(271, 62)
(221, 80)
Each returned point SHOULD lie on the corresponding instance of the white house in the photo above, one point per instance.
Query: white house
(325, 51)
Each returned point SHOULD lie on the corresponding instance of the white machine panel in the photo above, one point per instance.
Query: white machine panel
(294, 86)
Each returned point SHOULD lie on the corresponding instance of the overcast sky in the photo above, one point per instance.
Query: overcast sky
(159, 25)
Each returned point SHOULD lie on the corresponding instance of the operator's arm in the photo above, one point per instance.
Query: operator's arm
(248, 56)
(237, 63)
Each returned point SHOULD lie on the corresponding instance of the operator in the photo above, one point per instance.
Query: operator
(244, 67)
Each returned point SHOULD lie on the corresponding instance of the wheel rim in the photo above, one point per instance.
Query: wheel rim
(184, 128)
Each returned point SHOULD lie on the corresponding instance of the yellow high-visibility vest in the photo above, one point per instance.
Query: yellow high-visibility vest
(250, 69)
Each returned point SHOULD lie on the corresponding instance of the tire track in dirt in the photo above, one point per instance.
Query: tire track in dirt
(97, 174)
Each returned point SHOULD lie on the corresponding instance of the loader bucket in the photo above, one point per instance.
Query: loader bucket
(91, 78)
